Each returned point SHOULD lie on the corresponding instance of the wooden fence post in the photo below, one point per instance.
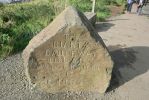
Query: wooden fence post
(93, 6)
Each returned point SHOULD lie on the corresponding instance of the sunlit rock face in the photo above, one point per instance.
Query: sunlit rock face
(68, 55)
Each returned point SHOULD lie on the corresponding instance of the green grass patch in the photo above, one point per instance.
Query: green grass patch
(20, 22)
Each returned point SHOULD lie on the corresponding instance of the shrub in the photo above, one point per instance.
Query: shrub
(20, 22)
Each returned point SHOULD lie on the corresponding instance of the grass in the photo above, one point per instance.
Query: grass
(20, 22)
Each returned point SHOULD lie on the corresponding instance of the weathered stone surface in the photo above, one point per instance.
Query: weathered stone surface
(91, 17)
(68, 55)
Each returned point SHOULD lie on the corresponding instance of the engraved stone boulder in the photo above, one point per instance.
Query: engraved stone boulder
(68, 55)
(91, 17)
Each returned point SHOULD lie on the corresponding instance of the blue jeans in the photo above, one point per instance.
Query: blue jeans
(129, 7)
(139, 9)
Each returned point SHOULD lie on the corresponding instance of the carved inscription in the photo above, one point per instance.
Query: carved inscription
(67, 56)
(59, 53)
(60, 44)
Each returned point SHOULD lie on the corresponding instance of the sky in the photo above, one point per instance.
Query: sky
(5, 1)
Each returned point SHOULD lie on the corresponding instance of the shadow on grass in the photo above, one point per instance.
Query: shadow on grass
(128, 64)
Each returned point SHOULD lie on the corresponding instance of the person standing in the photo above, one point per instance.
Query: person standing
(140, 6)
(145, 2)
(129, 5)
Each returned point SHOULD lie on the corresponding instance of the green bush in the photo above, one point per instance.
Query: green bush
(117, 2)
(20, 22)
(83, 5)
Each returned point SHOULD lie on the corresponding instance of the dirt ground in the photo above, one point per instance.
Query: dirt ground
(116, 10)
(127, 38)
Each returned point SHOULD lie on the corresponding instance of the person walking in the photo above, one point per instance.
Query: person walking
(145, 2)
(140, 6)
(129, 5)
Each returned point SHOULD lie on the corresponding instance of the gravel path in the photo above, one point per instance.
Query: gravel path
(127, 37)
(14, 85)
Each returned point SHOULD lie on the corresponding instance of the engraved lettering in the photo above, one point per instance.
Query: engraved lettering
(72, 45)
(72, 53)
(60, 59)
(56, 52)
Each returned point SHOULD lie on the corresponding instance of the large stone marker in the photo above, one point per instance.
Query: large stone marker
(91, 17)
(68, 55)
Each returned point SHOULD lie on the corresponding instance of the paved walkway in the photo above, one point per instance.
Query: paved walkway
(146, 9)
(127, 38)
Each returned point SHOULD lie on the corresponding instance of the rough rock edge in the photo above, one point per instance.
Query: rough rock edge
(61, 23)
